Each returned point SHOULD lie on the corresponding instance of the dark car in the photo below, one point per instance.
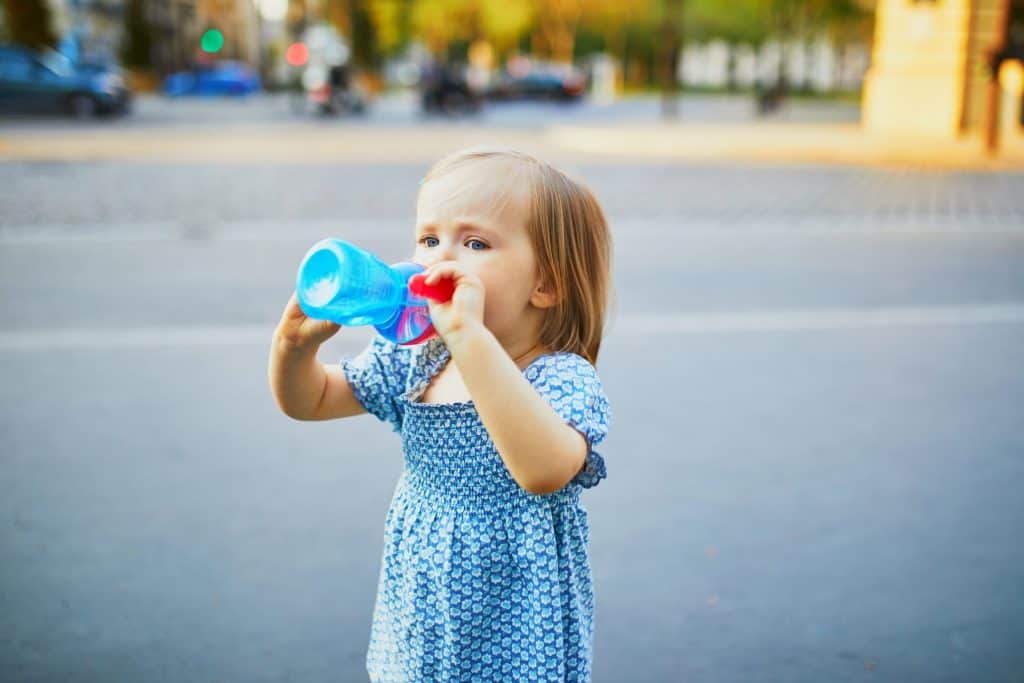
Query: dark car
(444, 89)
(218, 78)
(538, 82)
(47, 81)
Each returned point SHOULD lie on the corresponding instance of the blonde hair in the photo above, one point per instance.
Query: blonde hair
(570, 239)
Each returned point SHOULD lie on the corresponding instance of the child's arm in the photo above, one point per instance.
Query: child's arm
(303, 388)
(541, 451)
(307, 390)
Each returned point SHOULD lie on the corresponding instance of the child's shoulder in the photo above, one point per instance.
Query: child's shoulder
(562, 367)
(570, 384)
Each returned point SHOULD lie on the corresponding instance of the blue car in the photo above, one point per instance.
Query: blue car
(539, 82)
(219, 78)
(34, 82)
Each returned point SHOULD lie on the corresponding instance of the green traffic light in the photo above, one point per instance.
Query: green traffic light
(212, 41)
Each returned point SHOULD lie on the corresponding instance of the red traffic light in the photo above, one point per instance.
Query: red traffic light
(297, 54)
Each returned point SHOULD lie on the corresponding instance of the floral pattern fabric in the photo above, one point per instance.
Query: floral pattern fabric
(480, 580)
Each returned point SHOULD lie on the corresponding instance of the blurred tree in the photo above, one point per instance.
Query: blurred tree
(559, 21)
(354, 19)
(443, 23)
(390, 24)
(612, 19)
(504, 22)
(739, 21)
(744, 22)
(850, 23)
(29, 23)
(648, 35)
(440, 22)
(797, 22)
(555, 33)
(136, 49)
(639, 46)
(790, 22)
(365, 48)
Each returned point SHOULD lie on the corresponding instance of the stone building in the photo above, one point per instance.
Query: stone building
(931, 67)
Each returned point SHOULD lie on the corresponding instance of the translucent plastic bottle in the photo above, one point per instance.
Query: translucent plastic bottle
(340, 282)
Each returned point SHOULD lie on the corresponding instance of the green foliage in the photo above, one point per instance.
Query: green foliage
(756, 21)
(562, 29)
(440, 22)
(365, 50)
(739, 21)
(390, 24)
(504, 21)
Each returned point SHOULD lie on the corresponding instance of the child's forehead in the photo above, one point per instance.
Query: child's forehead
(478, 190)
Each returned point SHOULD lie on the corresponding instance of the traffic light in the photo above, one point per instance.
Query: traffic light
(297, 54)
(212, 41)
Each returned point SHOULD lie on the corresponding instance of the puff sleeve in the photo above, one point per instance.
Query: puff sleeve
(378, 377)
(571, 386)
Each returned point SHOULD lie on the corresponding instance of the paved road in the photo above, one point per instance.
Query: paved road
(814, 473)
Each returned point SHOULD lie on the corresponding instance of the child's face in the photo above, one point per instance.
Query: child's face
(457, 220)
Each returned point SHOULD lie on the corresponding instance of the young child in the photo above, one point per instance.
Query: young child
(485, 573)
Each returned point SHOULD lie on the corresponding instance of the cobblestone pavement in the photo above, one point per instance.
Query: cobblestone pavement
(128, 198)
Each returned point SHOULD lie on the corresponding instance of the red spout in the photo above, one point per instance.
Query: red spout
(441, 291)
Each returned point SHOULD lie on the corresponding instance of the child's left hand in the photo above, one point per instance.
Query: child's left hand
(465, 310)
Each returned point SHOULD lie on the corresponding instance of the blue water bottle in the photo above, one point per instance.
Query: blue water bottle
(340, 282)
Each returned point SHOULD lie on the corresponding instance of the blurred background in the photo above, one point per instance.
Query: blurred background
(460, 53)
(815, 352)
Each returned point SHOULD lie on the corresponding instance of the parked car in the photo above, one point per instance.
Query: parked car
(47, 81)
(217, 78)
(444, 89)
(538, 82)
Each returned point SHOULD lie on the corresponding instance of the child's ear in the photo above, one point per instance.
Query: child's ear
(544, 296)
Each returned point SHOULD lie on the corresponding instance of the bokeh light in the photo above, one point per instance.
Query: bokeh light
(212, 41)
(297, 54)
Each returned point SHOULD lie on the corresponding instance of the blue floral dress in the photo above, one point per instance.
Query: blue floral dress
(480, 580)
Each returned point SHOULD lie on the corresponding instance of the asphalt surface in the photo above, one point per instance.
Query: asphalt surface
(814, 469)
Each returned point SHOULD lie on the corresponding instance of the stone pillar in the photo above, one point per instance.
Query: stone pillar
(916, 79)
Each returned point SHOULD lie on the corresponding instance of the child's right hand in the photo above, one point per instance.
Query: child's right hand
(301, 332)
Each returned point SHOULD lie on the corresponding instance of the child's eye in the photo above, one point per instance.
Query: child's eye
(483, 245)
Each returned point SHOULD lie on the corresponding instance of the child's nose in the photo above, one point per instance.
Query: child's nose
(442, 252)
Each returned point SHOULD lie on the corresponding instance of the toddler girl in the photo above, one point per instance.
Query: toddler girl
(485, 573)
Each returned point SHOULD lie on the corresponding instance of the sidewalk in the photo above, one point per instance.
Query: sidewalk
(777, 142)
(827, 143)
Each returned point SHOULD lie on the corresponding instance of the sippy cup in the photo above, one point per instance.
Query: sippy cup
(340, 282)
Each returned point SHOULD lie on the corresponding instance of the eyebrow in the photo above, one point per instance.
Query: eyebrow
(464, 226)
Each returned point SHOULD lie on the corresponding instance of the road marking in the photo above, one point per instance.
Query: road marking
(820, 319)
(135, 337)
(627, 325)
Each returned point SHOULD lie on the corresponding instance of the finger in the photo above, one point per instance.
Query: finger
(443, 269)
(431, 274)
(290, 308)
